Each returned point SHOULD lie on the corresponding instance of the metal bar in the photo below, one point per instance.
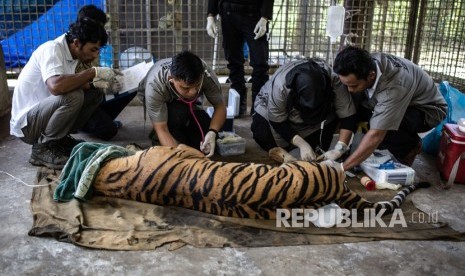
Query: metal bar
(412, 28)
(148, 24)
(114, 31)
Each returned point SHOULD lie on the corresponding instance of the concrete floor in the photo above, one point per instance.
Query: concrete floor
(24, 255)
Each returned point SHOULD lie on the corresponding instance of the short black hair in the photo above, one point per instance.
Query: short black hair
(353, 60)
(87, 30)
(187, 66)
(92, 12)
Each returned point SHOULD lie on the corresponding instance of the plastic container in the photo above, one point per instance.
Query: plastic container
(335, 23)
(233, 102)
(451, 147)
(133, 56)
(229, 144)
(328, 216)
(381, 169)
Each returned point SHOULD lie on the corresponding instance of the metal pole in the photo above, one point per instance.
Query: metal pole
(5, 97)
(148, 24)
(114, 30)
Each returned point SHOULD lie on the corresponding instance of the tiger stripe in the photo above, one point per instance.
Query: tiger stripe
(183, 177)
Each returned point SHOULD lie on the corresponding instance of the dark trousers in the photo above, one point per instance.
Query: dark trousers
(262, 134)
(400, 142)
(183, 126)
(101, 123)
(237, 28)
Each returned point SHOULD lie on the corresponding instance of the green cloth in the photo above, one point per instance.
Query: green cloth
(82, 167)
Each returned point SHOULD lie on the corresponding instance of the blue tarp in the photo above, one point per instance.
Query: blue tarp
(18, 47)
(16, 14)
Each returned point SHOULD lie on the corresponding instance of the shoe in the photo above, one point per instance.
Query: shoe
(66, 144)
(118, 124)
(48, 156)
(410, 157)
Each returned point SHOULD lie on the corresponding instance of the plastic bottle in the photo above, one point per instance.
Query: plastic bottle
(233, 102)
(106, 56)
(368, 183)
(335, 23)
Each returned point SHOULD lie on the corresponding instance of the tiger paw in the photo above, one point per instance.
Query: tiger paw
(280, 155)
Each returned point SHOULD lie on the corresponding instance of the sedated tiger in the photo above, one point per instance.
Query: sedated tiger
(184, 177)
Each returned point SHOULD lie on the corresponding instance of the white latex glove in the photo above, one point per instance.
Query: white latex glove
(211, 27)
(306, 151)
(101, 84)
(339, 149)
(208, 145)
(260, 28)
(334, 164)
(387, 185)
(115, 87)
(105, 73)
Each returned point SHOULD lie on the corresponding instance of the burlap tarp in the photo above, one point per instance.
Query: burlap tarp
(116, 224)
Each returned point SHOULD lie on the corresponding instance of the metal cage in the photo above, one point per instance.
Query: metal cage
(430, 33)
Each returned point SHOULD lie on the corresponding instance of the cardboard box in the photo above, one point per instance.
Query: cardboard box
(451, 147)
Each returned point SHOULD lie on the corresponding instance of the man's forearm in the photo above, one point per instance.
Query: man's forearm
(218, 118)
(345, 135)
(63, 84)
(164, 136)
(367, 146)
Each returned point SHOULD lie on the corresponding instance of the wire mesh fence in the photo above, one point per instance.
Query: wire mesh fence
(431, 33)
(441, 41)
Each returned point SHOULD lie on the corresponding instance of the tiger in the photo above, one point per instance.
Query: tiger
(182, 176)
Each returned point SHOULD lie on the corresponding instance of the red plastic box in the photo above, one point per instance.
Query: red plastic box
(452, 145)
